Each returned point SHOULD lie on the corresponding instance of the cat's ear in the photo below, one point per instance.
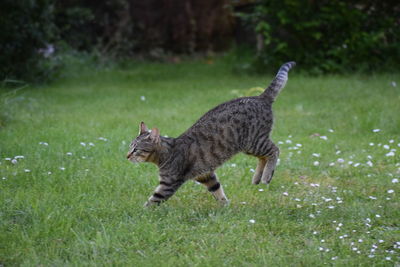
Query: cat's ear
(155, 135)
(143, 128)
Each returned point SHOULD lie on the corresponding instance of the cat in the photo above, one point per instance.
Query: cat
(240, 125)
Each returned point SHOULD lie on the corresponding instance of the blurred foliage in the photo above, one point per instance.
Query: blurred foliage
(26, 30)
(35, 33)
(327, 36)
(37, 36)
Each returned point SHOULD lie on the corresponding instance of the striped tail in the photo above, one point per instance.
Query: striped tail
(279, 82)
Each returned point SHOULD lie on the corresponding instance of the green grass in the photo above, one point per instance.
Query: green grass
(90, 212)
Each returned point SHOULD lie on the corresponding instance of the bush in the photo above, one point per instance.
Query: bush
(26, 30)
(328, 36)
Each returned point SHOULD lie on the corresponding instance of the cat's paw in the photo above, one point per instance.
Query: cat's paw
(256, 179)
(224, 201)
(150, 203)
(267, 177)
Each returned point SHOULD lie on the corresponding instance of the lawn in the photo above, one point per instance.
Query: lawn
(68, 195)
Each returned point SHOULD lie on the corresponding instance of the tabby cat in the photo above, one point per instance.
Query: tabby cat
(240, 125)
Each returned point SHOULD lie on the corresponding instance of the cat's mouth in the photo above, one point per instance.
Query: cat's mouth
(129, 155)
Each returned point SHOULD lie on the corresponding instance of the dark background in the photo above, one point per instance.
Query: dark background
(325, 36)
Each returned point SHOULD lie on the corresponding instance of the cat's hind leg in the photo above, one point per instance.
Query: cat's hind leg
(210, 181)
(259, 170)
(272, 155)
(267, 153)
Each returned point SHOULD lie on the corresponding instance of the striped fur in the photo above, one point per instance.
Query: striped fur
(279, 82)
(240, 125)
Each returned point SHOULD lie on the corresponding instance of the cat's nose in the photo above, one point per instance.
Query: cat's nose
(129, 155)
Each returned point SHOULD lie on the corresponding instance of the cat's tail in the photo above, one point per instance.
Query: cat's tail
(278, 82)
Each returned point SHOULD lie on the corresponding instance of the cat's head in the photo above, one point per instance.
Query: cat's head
(145, 146)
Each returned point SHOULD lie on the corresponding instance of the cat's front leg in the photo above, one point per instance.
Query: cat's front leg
(164, 190)
(210, 181)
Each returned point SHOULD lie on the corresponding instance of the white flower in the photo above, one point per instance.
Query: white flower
(356, 164)
(334, 258)
(280, 143)
(27, 170)
(261, 190)
(390, 191)
(48, 173)
(252, 221)
(372, 197)
(376, 130)
(91, 144)
(377, 216)
(312, 216)
(354, 248)
(381, 241)
(4, 178)
(143, 98)
(386, 146)
(390, 154)
(19, 157)
(371, 256)
(62, 168)
(233, 165)
(299, 145)
(285, 193)
(69, 153)
(338, 152)
(321, 249)
(322, 240)
(332, 164)
(288, 141)
(82, 144)
(395, 180)
(371, 144)
(7, 158)
(393, 83)
(316, 163)
(324, 137)
(316, 155)
(331, 130)
(340, 160)
(14, 161)
(388, 258)
(369, 163)
(43, 143)
(102, 139)
(252, 170)
(391, 141)
(315, 232)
